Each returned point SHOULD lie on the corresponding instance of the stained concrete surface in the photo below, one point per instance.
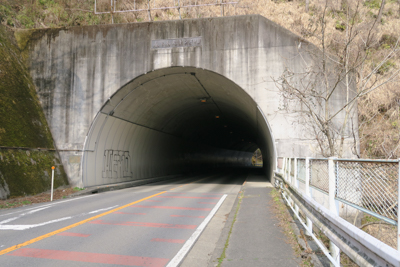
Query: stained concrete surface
(134, 107)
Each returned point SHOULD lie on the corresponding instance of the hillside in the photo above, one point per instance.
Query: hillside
(375, 31)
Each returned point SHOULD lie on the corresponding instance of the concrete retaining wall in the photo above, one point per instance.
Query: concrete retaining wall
(76, 70)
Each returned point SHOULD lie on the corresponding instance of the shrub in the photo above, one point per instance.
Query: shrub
(340, 26)
(387, 41)
(386, 67)
(373, 4)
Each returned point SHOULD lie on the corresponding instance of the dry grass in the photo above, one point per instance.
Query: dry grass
(39, 198)
(384, 232)
(380, 230)
(379, 123)
(280, 210)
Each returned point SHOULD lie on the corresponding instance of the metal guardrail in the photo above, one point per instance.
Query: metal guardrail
(362, 248)
(368, 185)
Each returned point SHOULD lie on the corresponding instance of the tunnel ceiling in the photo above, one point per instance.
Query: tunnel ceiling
(170, 101)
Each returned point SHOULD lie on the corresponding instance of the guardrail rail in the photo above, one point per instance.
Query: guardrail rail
(368, 186)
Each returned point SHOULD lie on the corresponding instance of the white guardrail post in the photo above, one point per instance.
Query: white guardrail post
(335, 252)
(287, 168)
(307, 189)
(296, 184)
(52, 182)
(398, 209)
(283, 171)
(290, 180)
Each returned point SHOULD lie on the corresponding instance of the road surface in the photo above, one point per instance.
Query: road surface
(152, 225)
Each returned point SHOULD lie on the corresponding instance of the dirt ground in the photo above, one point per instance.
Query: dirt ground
(39, 198)
(384, 232)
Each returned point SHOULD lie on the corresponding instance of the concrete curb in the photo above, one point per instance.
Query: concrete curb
(118, 186)
(219, 248)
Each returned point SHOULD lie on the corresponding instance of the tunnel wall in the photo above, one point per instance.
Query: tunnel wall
(124, 158)
(156, 125)
(76, 70)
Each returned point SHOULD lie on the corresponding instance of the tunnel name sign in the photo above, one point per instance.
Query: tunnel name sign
(116, 164)
(172, 43)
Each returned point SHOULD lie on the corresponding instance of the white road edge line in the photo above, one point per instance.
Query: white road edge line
(24, 227)
(95, 211)
(21, 215)
(189, 243)
(47, 205)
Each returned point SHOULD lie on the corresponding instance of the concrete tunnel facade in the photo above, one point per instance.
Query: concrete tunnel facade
(123, 101)
(171, 121)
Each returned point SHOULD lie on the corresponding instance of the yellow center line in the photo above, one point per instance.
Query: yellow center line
(187, 184)
(7, 250)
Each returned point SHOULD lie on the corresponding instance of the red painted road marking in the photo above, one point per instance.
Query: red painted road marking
(144, 224)
(180, 241)
(207, 202)
(132, 213)
(189, 197)
(73, 234)
(167, 207)
(89, 257)
(212, 194)
(188, 216)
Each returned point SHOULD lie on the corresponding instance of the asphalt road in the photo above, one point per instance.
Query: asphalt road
(152, 225)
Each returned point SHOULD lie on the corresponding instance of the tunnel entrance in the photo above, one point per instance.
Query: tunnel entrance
(174, 120)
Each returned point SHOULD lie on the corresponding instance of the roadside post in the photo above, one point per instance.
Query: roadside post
(398, 207)
(52, 182)
(335, 252)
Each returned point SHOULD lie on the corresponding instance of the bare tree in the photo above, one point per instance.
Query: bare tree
(379, 18)
(338, 68)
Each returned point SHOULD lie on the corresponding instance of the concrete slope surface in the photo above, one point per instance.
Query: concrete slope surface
(152, 225)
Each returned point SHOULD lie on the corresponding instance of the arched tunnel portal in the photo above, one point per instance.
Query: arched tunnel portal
(174, 120)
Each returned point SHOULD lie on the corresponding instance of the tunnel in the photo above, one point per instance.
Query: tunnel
(171, 121)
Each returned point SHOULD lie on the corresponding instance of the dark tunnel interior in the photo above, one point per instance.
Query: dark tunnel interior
(175, 120)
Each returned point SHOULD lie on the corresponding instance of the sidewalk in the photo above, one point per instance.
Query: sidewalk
(256, 239)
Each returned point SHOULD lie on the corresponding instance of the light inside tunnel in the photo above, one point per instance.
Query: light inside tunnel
(174, 120)
(257, 159)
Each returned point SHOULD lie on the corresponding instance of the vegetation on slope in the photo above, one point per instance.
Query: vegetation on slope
(22, 124)
(28, 14)
(378, 111)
